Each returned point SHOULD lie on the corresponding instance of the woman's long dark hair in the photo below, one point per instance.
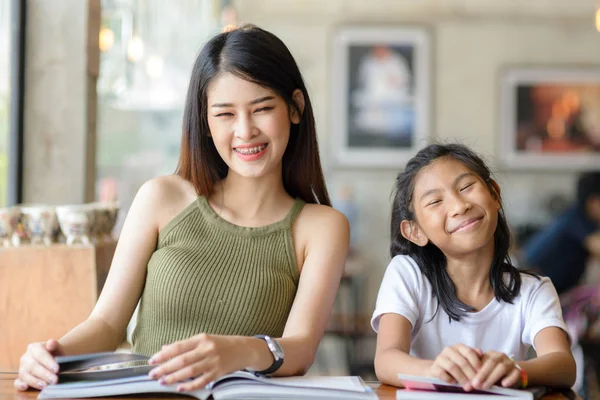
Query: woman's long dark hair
(260, 57)
(430, 259)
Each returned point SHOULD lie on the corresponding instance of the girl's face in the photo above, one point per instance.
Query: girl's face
(249, 125)
(454, 208)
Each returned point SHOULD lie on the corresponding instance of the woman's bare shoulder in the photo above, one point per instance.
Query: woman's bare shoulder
(323, 211)
(166, 196)
(168, 188)
(320, 217)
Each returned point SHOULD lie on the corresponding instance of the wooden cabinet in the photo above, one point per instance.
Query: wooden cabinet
(45, 291)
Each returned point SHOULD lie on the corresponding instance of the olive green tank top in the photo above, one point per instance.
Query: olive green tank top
(208, 275)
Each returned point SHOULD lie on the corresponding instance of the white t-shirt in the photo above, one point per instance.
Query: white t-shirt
(500, 326)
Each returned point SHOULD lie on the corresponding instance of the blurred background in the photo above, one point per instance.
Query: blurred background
(92, 92)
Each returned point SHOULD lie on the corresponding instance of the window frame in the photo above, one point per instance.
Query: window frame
(18, 16)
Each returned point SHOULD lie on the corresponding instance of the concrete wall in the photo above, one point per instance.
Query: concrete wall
(60, 89)
(471, 42)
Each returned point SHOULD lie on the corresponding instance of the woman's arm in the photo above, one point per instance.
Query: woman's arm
(554, 365)
(328, 234)
(105, 328)
(323, 233)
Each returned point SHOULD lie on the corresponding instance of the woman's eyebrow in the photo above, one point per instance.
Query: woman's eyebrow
(255, 101)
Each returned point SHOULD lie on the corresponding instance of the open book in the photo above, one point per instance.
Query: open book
(76, 380)
(425, 388)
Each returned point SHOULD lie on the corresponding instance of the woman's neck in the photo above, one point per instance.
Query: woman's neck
(251, 201)
(471, 276)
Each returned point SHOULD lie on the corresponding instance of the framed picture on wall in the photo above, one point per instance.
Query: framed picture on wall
(380, 100)
(550, 118)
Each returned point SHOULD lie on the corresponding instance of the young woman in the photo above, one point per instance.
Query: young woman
(241, 241)
(451, 305)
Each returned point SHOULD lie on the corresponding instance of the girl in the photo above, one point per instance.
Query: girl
(240, 242)
(451, 305)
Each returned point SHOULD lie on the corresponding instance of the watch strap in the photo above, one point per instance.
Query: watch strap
(277, 361)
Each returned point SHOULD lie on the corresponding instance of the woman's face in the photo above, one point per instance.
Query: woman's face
(454, 208)
(249, 125)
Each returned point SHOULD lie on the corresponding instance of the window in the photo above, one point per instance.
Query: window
(147, 52)
(5, 55)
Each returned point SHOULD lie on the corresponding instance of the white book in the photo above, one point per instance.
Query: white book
(426, 388)
(75, 382)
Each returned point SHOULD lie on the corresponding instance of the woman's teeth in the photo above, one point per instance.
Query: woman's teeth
(250, 150)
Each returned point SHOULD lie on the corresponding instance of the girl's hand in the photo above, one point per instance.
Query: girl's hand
(38, 368)
(496, 366)
(458, 363)
(202, 357)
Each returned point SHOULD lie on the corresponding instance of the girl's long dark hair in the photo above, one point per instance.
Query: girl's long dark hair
(260, 57)
(430, 259)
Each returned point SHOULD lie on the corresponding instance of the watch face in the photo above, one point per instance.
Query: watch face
(276, 349)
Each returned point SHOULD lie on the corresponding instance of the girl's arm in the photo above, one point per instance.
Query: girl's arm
(392, 353)
(554, 365)
(457, 363)
(327, 236)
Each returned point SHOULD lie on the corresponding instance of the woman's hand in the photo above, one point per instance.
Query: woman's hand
(202, 357)
(458, 363)
(38, 368)
(496, 366)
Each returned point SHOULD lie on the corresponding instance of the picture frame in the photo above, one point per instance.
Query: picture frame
(380, 95)
(550, 118)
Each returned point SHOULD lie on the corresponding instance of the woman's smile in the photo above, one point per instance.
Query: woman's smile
(251, 152)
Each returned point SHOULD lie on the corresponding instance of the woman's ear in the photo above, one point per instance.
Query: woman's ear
(296, 112)
(412, 232)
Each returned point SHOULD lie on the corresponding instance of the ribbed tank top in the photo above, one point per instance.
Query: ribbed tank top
(208, 275)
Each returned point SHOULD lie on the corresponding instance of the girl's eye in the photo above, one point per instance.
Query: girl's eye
(264, 109)
(467, 186)
(434, 202)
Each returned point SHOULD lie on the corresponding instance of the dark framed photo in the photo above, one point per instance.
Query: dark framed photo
(550, 118)
(381, 88)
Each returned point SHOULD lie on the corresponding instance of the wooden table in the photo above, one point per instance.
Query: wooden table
(384, 392)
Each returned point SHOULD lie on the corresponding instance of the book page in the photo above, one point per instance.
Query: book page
(348, 383)
(114, 387)
(351, 383)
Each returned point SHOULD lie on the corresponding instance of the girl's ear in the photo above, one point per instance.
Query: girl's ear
(496, 192)
(298, 98)
(412, 232)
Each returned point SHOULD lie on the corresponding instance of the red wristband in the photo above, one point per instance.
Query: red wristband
(524, 379)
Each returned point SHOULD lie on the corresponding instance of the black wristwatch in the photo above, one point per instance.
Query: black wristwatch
(276, 351)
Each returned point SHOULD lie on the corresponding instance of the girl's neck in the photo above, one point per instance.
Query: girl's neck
(471, 276)
(251, 201)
